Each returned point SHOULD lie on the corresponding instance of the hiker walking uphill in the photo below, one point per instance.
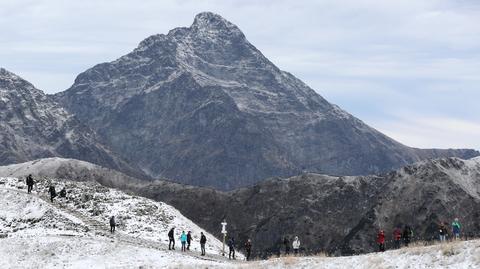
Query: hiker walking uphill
(112, 224)
(407, 235)
(442, 232)
(381, 240)
(248, 248)
(456, 229)
(231, 246)
(189, 239)
(286, 243)
(203, 241)
(296, 245)
(171, 239)
(29, 181)
(183, 240)
(52, 192)
(397, 237)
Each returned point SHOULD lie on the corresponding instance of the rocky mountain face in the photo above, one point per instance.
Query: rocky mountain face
(339, 215)
(34, 126)
(203, 106)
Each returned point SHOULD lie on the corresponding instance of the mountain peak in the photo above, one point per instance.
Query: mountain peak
(212, 22)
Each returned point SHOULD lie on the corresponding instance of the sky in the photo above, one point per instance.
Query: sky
(409, 68)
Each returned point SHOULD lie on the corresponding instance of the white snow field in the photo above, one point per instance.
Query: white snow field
(73, 233)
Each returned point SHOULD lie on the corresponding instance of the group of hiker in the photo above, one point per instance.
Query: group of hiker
(406, 235)
(51, 189)
(185, 240)
(295, 245)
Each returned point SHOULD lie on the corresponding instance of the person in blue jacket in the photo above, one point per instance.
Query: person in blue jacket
(183, 240)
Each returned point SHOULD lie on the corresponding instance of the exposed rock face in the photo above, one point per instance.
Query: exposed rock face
(340, 215)
(34, 126)
(201, 105)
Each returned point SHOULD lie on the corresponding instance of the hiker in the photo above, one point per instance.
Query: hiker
(171, 239)
(296, 245)
(456, 229)
(29, 182)
(248, 248)
(203, 241)
(442, 232)
(63, 193)
(189, 240)
(381, 241)
(112, 224)
(286, 243)
(231, 246)
(407, 235)
(397, 237)
(183, 240)
(52, 192)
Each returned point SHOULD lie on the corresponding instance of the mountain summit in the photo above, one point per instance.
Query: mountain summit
(203, 106)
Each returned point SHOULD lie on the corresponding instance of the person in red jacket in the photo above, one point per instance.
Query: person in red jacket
(397, 237)
(381, 240)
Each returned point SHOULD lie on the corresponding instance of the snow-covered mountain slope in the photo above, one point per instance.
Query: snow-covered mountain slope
(202, 106)
(33, 125)
(79, 223)
(71, 169)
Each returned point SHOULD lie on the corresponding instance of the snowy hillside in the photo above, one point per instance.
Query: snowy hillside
(74, 231)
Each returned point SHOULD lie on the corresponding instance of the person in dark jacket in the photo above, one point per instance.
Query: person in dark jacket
(286, 243)
(171, 239)
(407, 235)
(442, 232)
(397, 237)
(248, 248)
(189, 240)
(231, 246)
(63, 193)
(29, 182)
(52, 192)
(381, 240)
(203, 241)
(112, 224)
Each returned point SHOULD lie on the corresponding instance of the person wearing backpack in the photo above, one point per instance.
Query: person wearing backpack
(296, 245)
(183, 240)
(397, 237)
(171, 239)
(189, 239)
(231, 246)
(203, 241)
(286, 243)
(407, 235)
(456, 229)
(52, 192)
(442, 232)
(29, 182)
(112, 224)
(381, 241)
(248, 248)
